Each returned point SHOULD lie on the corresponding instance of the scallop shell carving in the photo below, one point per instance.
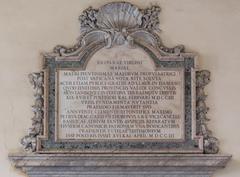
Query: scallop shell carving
(119, 17)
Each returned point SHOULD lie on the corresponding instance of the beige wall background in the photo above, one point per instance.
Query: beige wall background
(209, 27)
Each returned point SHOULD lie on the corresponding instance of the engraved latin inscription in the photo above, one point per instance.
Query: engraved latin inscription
(120, 101)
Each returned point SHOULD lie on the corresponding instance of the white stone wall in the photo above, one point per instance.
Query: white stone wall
(210, 28)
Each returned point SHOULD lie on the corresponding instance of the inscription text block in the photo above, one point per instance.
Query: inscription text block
(120, 105)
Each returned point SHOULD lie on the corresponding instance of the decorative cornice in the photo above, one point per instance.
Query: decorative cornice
(97, 160)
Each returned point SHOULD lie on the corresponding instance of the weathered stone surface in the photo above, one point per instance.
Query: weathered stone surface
(119, 165)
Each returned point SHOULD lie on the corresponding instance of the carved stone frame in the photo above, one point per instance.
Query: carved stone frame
(113, 24)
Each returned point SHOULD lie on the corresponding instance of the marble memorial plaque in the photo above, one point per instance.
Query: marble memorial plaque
(120, 89)
(120, 97)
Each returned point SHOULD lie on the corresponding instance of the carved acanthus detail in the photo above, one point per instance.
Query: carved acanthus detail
(210, 142)
(150, 18)
(29, 141)
(88, 20)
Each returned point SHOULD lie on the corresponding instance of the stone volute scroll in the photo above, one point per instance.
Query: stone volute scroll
(119, 103)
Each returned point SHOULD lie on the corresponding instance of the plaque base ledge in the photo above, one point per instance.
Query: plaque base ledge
(119, 165)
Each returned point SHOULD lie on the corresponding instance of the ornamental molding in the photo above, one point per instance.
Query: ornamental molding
(210, 143)
(29, 142)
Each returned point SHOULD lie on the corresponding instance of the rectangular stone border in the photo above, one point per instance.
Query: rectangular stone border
(192, 143)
